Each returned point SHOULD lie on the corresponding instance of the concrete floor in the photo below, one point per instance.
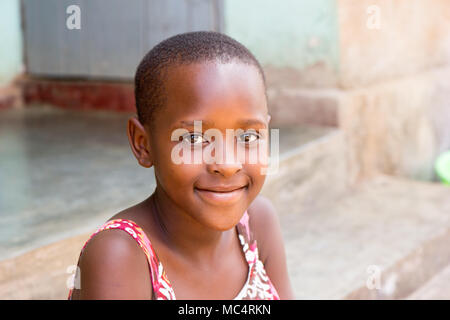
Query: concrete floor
(61, 175)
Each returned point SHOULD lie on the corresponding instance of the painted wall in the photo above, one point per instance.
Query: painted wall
(288, 33)
(10, 40)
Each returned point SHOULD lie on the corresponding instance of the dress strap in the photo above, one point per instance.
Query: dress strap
(258, 284)
(160, 283)
(249, 245)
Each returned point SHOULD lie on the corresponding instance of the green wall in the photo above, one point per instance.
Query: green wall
(10, 40)
(288, 33)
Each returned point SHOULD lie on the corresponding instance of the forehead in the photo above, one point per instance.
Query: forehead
(219, 93)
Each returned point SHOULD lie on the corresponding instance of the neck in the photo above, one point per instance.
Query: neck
(182, 233)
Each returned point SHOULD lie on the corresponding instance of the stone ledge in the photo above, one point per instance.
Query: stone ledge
(438, 288)
(309, 166)
(40, 273)
(398, 225)
(412, 272)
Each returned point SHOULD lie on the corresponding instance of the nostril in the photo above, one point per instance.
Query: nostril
(226, 171)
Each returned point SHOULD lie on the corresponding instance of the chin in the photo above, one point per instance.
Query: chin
(222, 219)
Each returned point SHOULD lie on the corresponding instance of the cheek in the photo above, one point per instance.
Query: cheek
(174, 178)
(256, 164)
(257, 178)
(177, 178)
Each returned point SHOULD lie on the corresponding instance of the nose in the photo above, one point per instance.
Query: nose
(227, 162)
(226, 170)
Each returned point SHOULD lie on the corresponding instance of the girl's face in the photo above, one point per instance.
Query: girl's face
(221, 96)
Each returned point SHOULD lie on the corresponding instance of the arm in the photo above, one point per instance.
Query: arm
(266, 229)
(113, 266)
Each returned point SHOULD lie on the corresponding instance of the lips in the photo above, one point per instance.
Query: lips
(221, 195)
(221, 188)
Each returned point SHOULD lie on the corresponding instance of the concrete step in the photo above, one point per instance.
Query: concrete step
(311, 157)
(395, 228)
(437, 288)
(41, 273)
(82, 148)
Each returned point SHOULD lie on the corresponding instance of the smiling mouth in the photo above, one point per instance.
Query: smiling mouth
(221, 195)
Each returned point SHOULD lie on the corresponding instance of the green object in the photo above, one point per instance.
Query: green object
(442, 167)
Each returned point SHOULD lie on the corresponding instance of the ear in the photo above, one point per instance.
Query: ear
(139, 142)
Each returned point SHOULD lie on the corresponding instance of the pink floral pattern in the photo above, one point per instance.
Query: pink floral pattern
(257, 287)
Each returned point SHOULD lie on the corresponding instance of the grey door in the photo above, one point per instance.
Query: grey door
(113, 36)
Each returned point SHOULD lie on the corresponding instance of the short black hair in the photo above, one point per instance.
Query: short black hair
(185, 48)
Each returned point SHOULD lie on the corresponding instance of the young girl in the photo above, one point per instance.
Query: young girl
(204, 233)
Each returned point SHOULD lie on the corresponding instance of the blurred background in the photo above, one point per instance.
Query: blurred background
(360, 91)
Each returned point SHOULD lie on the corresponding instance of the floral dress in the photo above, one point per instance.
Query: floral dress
(257, 287)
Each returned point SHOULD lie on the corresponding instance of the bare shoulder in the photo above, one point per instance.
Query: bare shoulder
(265, 226)
(113, 266)
(263, 220)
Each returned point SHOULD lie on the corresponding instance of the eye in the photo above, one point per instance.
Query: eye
(249, 137)
(194, 138)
